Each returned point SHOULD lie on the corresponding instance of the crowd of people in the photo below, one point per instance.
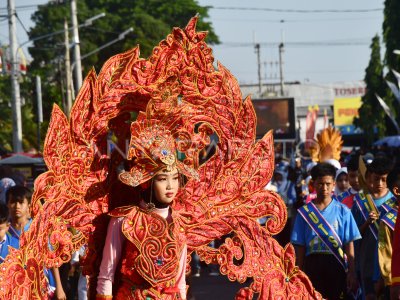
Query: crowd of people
(341, 220)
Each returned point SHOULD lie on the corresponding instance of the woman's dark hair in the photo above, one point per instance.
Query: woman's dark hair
(323, 169)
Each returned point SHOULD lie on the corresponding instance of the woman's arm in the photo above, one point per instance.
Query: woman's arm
(181, 279)
(59, 294)
(111, 256)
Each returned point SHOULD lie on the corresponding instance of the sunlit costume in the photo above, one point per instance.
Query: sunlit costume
(179, 87)
(327, 145)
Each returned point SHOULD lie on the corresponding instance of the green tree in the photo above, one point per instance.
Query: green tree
(391, 38)
(391, 33)
(152, 20)
(29, 126)
(371, 115)
(5, 113)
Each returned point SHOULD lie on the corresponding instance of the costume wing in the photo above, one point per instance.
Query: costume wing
(230, 196)
(71, 200)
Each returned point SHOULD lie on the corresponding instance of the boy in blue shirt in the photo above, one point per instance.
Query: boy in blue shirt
(370, 206)
(323, 235)
(18, 201)
(5, 237)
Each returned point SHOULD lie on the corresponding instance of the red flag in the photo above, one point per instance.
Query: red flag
(310, 124)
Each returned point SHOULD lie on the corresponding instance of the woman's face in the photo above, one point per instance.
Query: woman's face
(166, 185)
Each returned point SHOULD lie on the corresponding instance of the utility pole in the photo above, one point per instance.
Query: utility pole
(77, 49)
(68, 74)
(15, 91)
(39, 108)
(281, 50)
(257, 49)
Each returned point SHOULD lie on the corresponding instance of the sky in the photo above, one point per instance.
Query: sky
(319, 46)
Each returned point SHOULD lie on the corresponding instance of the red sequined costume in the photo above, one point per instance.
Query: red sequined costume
(178, 86)
(396, 254)
(136, 278)
(145, 252)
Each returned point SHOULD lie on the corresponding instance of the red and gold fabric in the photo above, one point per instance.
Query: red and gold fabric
(154, 246)
(396, 254)
(200, 105)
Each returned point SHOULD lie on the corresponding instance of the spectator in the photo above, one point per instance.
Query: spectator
(5, 184)
(386, 228)
(324, 230)
(342, 181)
(18, 201)
(347, 198)
(5, 238)
(372, 204)
(286, 189)
(307, 185)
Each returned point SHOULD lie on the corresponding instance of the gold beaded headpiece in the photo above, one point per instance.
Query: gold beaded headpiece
(153, 148)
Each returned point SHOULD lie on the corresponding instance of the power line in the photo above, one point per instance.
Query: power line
(354, 42)
(293, 20)
(23, 7)
(298, 10)
(22, 24)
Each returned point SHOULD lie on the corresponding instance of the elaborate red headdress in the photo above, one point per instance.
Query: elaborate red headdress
(179, 86)
(153, 148)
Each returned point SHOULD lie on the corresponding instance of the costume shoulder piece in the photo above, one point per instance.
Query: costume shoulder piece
(177, 92)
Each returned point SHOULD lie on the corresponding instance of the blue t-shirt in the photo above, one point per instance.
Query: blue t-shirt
(340, 219)
(15, 233)
(8, 241)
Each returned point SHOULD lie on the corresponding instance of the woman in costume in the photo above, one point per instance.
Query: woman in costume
(142, 247)
(179, 86)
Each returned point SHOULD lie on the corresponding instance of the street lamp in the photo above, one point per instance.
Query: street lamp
(87, 23)
(396, 51)
(121, 36)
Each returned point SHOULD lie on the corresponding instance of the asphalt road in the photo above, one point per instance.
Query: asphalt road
(208, 287)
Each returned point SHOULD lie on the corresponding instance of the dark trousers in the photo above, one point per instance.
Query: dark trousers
(327, 275)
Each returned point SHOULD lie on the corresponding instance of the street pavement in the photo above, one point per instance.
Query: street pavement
(208, 287)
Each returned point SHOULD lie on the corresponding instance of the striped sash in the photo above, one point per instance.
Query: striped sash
(324, 231)
(390, 218)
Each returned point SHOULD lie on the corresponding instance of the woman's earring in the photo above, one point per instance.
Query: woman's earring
(150, 206)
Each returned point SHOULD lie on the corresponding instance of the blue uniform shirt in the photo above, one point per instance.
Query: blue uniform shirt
(340, 219)
(15, 233)
(7, 241)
